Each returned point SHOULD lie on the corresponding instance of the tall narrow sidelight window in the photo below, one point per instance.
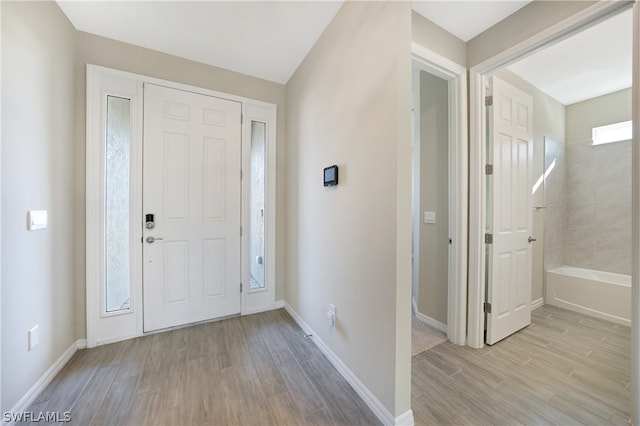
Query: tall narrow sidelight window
(117, 173)
(257, 204)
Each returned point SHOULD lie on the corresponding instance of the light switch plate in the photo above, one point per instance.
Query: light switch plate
(34, 337)
(429, 217)
(37, 219)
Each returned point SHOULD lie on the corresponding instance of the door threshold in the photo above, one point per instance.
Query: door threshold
(191, 324)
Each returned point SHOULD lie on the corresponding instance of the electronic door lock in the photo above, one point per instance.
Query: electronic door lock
(150, 224)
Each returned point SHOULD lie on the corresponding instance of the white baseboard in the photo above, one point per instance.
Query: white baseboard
(35, 390)
(279, 304)
(431, 322)
(369, 398)
(414, 305)
(405, 419)
(535, 304)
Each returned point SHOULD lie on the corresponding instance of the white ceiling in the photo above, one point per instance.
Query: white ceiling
(269, 39)
(467, 19)
(592, 63)
(273, 36)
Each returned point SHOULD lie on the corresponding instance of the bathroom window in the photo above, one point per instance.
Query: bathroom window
(612, 133)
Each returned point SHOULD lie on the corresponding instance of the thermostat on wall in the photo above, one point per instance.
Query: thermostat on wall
(36, 219)
(331, 176)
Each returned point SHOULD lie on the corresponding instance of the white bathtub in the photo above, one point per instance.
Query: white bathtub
(600, 294)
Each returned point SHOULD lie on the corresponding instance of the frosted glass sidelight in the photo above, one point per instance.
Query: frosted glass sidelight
(117, 170)
(256, 204)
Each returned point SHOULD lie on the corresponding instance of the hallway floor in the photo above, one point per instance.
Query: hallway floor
(563, 369)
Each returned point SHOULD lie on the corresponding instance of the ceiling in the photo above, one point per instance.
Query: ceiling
(591, 63)
(467, 19)
(275, 36)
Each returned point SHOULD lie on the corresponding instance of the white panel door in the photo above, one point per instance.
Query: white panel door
(191, 184)
(510, 211)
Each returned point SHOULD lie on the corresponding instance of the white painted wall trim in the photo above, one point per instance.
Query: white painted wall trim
(477, 74)
(456, 75)
(431, 322)
(635, 233)
(369, 398)
(535, 304)
(27, 399)
(405, 419)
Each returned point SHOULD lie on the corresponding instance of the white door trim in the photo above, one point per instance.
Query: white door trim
(456, 75)
(477, 200)
(635, 233)
(94, 264)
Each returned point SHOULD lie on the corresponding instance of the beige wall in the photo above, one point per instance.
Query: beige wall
(348, 104)
(38, 158)
(126, 57)
(430, 35)
(548, 120)
(434, 196)
(600, 111)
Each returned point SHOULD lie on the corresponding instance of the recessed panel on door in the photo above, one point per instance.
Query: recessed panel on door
(176, 176)
(214, 178)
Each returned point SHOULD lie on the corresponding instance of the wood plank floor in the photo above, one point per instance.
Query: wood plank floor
(254, 370)
(564, 369)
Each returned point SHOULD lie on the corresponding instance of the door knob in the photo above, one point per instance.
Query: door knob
(151, 239)
(531, 239)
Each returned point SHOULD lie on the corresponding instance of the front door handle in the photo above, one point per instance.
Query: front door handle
(151, 239)
(531, 239)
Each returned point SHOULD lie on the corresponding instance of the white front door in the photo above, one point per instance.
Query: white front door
(510, 211)
(192, 187)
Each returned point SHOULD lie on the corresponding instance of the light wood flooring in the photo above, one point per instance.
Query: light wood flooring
(254, 370)
(563, 369)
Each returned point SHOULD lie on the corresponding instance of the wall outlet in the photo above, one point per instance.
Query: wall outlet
(331, 315)
(34, 337)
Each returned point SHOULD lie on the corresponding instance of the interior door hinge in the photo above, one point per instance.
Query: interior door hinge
(487, 307)
(488, 101)
(241, 231)
(240, 287)
(488, 169)
(241, 118)
(488, 238)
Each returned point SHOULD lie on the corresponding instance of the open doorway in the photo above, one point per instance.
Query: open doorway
(549, 121)
(431, 241)
(440, 183)
(579, 193)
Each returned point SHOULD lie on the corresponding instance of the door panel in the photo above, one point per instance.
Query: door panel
(191, 184)
(510, 254)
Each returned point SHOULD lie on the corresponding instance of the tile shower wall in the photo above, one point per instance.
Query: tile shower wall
(597, 217)
(554, 200)
(587, 220)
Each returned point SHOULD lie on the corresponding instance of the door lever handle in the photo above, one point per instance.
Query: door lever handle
(151, 239)
(531, 239)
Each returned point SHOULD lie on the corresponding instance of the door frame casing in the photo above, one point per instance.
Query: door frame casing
(456, 77)
(477, 201)
(132, 320)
